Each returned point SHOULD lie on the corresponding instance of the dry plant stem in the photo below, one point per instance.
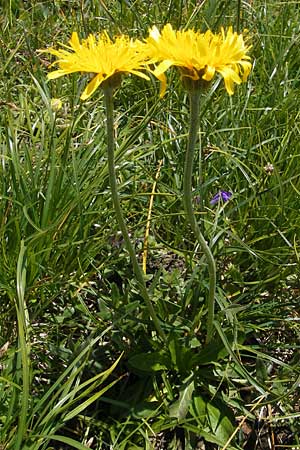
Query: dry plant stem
(148, 223)
(108, 95)
(188, 205)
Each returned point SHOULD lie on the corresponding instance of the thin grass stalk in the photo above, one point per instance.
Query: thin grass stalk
(148, 223)
(238, 16)
(22, 318)
(188, 205)
(108, 96)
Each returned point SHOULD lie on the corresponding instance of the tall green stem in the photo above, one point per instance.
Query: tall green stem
(108, 95)
(188, 205)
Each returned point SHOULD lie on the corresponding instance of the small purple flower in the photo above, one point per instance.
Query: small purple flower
(221, 195)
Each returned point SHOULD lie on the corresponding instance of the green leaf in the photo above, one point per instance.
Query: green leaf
(209, 437)
(182, 357)
(220, 419)
(150, 362)
(180, 408)
(261, 370)
(198, 409)
(69, 441)
(238, 367)
(89, 401)
(212, 352)
(215, 416)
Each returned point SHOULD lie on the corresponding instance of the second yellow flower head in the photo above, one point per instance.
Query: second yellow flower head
(200, 55)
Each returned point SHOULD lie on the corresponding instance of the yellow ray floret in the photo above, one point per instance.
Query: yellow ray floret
(102, 57)
(200, 55)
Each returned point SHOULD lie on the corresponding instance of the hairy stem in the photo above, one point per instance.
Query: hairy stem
(188, 205)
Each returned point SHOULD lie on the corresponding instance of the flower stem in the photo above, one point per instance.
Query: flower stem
(108, 95)
(188, 205)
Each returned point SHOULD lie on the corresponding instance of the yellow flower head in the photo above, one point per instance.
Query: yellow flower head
(200, 55)
(101, 57)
